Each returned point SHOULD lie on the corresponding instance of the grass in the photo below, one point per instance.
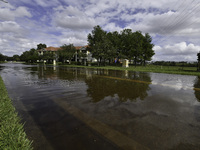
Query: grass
(150, 68)
(12, 134)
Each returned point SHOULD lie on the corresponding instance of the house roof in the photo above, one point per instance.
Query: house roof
(51, 48)
(79, 47)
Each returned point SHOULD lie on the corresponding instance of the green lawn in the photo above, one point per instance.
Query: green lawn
(151, 68)
(12, 134)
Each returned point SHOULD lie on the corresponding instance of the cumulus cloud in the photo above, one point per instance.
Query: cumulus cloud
(174, 25)
(8, 14)
(73, 40)
(72, 18)
(47, 3)
(177, 52)
(73, 37)
(112, 27)
(9, 26)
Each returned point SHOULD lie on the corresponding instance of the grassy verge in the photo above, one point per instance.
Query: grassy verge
(12, 135)
(150, 68)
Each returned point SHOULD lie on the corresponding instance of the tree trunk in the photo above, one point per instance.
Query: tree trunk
(144, 63)
(100, 59)
(135, 61)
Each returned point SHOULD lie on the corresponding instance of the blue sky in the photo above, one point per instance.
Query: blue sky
(173, 24)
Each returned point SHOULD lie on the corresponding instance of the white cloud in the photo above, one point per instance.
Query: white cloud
(72, 18)
(11, 14)
(73, 40)
(177, 52)
(112, 27)
(9, 26)
(73, 37)
(25, 23)
(45, 4)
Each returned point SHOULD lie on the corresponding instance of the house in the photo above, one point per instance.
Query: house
(83, 50)
(77, 58)
(48, 49)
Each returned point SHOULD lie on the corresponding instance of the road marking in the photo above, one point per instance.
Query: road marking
(145, 82)
(104, 130)
(139, 81)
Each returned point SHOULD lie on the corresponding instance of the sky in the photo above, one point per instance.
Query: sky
(174, 25)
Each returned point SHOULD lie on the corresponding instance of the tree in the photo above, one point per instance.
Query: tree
(147, 52)
(49, 56)
(66, 52)
(33, 55)
(126, 43)
(41, 46)
(2, 57)
(30, 56)
(99, 44)
(16, 58)
(136, 50)
(129, 45)
(82, 56)
(114, 42)
(198, 59)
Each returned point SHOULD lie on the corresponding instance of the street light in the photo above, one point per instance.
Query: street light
(4, 1)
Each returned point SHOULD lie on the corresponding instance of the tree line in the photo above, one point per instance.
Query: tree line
(113, 46)
(105, 46)
(65, 52)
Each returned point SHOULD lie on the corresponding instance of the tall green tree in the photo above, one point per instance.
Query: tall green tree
(16, 58)
(2, 57)
(49, 56)
(30, 56)
(126, 45)
(66, 52)
(40, 46)
(126, 37)
(99, 44)
(137, 48)
(198, 59)
(114, 42)
(148, 51)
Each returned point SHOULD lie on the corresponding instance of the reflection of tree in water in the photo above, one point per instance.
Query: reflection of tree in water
(197, 85)
(70, 74)
(100, 87)
(197, 94)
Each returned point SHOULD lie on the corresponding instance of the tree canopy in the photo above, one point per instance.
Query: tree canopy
(126, 44)
(66, 52)
(2, 57)
(100, 45)
(104, 46)
(30, 56)
(40, 46)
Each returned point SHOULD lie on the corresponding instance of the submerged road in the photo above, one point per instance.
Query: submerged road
(71, 108)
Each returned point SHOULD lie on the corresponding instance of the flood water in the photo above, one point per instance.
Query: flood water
(76, 108)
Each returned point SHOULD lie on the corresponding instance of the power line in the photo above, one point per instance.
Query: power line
(165, 19)
(182, 19)
(168, 22)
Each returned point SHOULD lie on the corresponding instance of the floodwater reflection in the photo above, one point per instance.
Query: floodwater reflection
(77, 108)
(197, 88)
(101, 87)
